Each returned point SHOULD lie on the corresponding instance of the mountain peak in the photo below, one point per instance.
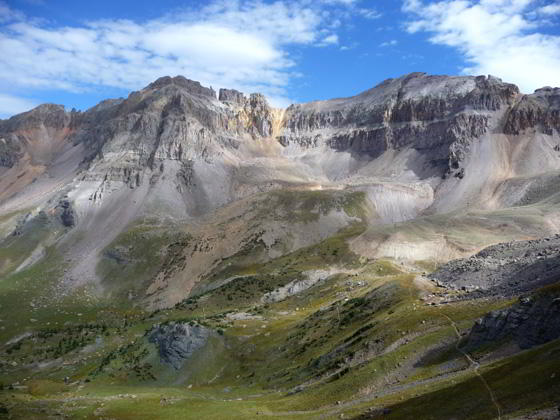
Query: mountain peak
(191, 86)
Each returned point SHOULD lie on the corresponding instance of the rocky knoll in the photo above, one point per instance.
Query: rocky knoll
(505, 269)
(177, 342)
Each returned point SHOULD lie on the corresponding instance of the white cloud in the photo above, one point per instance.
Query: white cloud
(329, 40)
(370, 13)
(550, 10)
(7, 14)
(239, 44)
(390, 43)
(10, 105)
(495, 36)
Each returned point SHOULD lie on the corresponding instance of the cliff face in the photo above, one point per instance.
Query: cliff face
(436, 115)
(537, 112)
(173, 119)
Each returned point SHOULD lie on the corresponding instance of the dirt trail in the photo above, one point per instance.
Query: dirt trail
(475, 366)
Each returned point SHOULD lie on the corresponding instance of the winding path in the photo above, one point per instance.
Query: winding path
(475, 366)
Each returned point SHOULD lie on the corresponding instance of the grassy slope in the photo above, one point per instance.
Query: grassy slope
(366, 340)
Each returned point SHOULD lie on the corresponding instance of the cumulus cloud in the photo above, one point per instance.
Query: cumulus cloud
(495, 36)
(240, 44)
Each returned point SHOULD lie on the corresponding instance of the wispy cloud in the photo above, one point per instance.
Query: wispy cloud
(370, 13)
(496, 37)
(7, 14)
(329, 40)
(240, 44)
(551, 9)
(390, 43)
(342, 2)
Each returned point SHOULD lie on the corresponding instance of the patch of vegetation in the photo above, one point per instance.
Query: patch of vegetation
(15, 248)
(307, 206)
(132, 261)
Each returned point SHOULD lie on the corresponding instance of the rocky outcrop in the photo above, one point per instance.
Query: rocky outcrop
(504, 269)
(177, 342)
(540, 110)
(491, 94)
(231, 96)
(530, 322)
(65, 213)
(10, 151)
(297, 286)
(260, 115)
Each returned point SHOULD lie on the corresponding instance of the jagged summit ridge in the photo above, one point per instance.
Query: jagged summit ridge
(435, 115)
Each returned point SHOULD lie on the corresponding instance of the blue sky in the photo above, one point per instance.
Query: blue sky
(79, 53)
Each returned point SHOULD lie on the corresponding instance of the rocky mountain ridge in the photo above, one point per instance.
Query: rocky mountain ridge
(437, 114)
(417, 145)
